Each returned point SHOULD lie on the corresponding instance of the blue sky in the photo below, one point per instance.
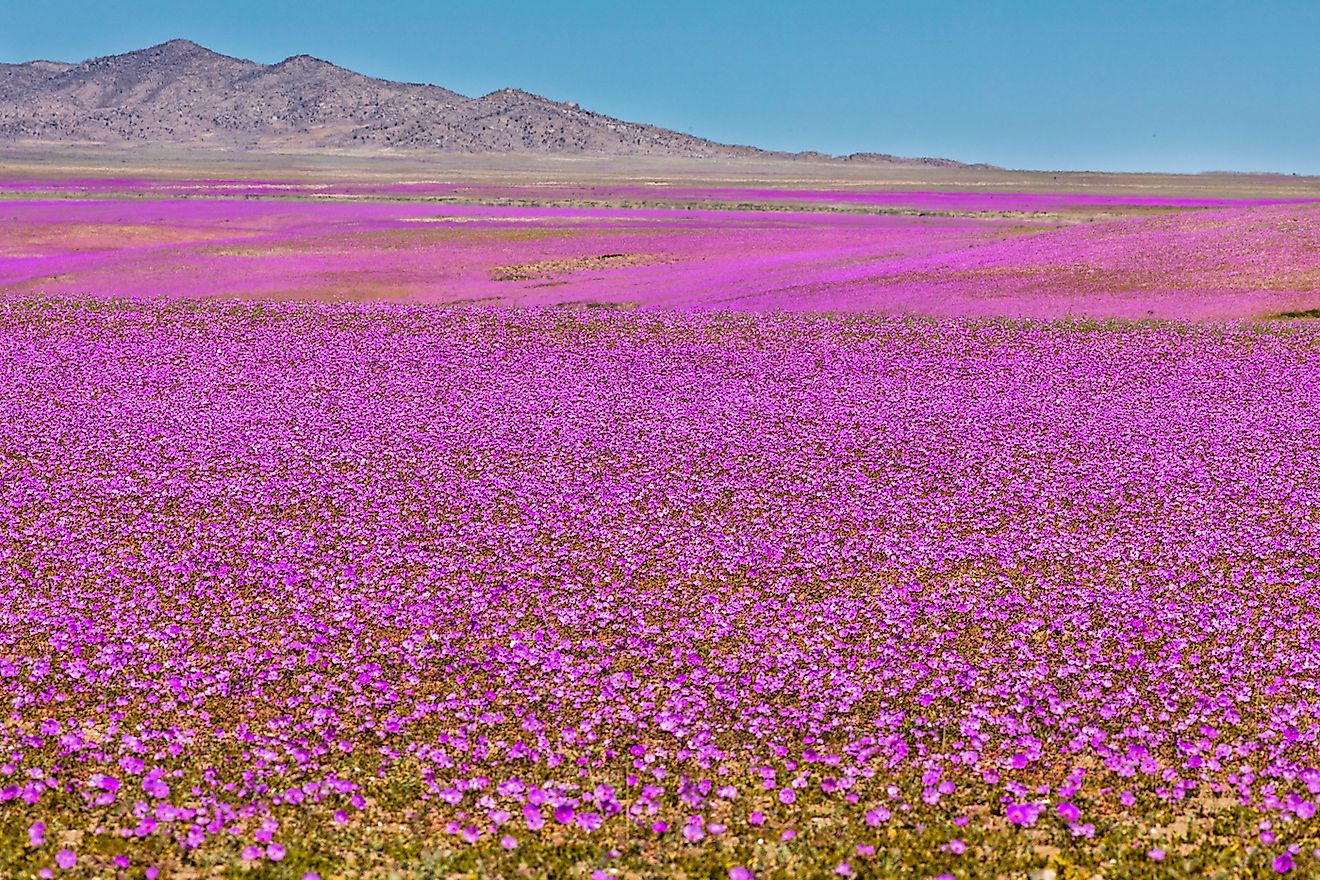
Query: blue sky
(1158, 86)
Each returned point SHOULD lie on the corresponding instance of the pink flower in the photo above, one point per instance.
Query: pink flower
(66, 858)
(740, 873)
(1283, 864)
(957, 847)
(155, 787)
(1022, 814)
(843, 869)
(1069, 812)
(37, 834)
(508, 841)
(1156, 854)
(756, 817)
(787, 796)
(274, 852)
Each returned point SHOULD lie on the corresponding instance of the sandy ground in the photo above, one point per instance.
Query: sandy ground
(508, 169)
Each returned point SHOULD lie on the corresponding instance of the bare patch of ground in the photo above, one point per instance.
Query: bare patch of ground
(550, 268)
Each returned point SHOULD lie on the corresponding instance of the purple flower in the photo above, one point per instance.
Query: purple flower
(1022, 814)
(66, 859)
(155, 787)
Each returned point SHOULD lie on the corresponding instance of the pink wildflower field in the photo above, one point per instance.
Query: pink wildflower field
(954, 254)
(418, 532)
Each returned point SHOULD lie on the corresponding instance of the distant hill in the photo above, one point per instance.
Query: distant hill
(183, 93)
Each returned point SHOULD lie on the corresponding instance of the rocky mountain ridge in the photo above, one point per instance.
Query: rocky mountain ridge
(182, 93)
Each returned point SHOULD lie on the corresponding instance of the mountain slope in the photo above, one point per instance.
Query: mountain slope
(182, 93)
(15, 79)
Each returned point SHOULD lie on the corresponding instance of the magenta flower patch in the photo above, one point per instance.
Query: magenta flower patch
(285, 573)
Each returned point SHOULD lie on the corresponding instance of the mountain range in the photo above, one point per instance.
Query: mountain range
(182, 93)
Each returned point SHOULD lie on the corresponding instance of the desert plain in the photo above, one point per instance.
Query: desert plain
(372, 516)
